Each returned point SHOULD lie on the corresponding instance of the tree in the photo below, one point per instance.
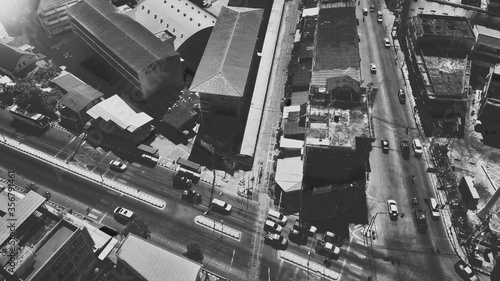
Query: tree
(193, 251)
(138, 227)
(31, 186)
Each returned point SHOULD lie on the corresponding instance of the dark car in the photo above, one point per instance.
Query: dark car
(405, 148)
(298, 237)
(191, 196)
(385, 145)
(402, 96)
(465, 271)
(372, 8)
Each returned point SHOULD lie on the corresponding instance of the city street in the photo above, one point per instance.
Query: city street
(399, 251)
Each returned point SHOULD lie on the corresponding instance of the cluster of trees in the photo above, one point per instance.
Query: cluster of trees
(28, 91)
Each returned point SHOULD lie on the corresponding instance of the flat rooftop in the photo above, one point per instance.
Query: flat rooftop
(493, 92)
(446, 76)
(337, 39)
(333, 126)
(427, 24)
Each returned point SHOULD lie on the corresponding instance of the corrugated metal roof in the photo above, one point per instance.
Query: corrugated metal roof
(26, 206)
(50, 4)
(116, 110)
(225, 64)
(123, 36)
(155, 263)
(79, 97)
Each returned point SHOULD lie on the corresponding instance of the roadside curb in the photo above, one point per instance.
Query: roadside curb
(312, 266)
(219, 227)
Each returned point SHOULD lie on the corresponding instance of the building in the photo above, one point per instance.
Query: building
(337, 46)
(78, 97)
(494, 6)
(443, 94)
(444, 36)
(114, 122)
(181, 117)
(487, 45)
(189, 25)
(227, 68)
(16, 62)
(52, 16)
(225, 81)
(44, 246)
(489, 111)
(146, 62)
(140, 259)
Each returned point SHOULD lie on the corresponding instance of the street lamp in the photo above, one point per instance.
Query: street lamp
(221, 229)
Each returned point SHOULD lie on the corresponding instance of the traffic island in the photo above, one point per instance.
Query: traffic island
(218, 227)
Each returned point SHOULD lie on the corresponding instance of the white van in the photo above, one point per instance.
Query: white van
(417, 147)
(433, 205)
(277, 217)
(221, 205)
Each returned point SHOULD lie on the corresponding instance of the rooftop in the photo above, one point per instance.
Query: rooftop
(9, 57)
(446, 76)
(116, 110)
(155, 263)
(51, 4)
(487, 36)
(493, 88)
(337, 39)
(289, 173)
(225, 65)
(427, 24)
(179, 18)
(182, 111)
(123, 36)
(334, 126)
(79, 94)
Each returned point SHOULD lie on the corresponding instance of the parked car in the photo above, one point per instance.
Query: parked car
(365, 11)
(272, 226)
(306, 228)
(191, 196)
(327, 249)
(373, 68)
(372, 8)
(277, 217)
(297, 236)
(392, 208)
(117, 166)
(417, 147)
(465, 271)
(402, 96)
(275, 240)
(123, 213)
(387, 43)
(221, 206)
(384, 143)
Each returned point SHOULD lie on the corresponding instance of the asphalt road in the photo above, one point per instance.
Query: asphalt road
(399, 252)
(172, 227)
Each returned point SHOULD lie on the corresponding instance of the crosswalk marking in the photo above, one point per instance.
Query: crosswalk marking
(92, 216)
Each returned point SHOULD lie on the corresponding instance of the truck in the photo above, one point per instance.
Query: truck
(421, 220)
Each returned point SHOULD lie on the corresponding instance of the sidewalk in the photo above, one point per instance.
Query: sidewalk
(63, 167)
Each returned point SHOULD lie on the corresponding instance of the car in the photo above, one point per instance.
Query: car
(402, 96)
(47, 195)
(149, 160)
(272, 226)
(465, 271)
(297, 236)
(387, 43)
(277, 217)
(309, 230)
(123, 213)
(385, 145)
(392, 208)
(394, 32)
(221, 206)
(365, 11)
(373, 68)
(417, 147)
(372, 8)
(191, 196)
(405, 148)
(117, 165)
(275, 240)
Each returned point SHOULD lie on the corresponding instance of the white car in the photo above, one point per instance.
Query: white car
(117, 165)
(387, 43)
(365, 12)
(272, 226)
(124, 213)
(392, 208)
(221, 205)
(373, 68)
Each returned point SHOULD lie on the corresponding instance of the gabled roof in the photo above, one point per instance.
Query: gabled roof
(226, 62)
(79, 97)
(155, 263)
(9, 57)
(50, 4)
(123, 36)
(343, 81)
(116, 110)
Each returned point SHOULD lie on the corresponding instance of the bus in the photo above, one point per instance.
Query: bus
(36, 120)
(188, 169)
